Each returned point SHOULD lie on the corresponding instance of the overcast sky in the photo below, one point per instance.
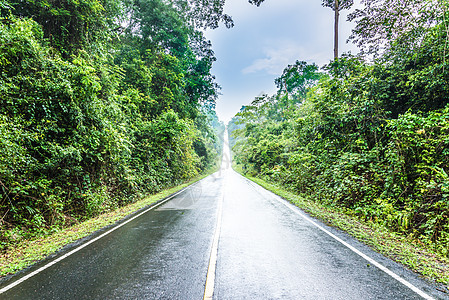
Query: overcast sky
(264, 41)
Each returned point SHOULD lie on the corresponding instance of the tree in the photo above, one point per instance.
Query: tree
(336, 6)
(69, 25)
(177, 56)
(381, 24)
(203, 13)
(297, 79)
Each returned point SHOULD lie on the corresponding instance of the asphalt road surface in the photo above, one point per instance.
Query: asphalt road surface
(223, 238)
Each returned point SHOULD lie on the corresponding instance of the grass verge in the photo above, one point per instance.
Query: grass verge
(414, 255)
(28, 252)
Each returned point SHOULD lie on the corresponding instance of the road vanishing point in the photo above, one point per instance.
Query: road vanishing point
(223, 237)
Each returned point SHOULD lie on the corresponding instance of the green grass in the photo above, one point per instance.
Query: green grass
(413, 254)
(28, 252)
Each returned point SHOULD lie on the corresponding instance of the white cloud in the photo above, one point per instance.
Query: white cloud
(276, 59)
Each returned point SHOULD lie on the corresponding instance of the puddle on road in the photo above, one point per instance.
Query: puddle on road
(186, 200)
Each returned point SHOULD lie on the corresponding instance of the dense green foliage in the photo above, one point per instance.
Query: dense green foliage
(369, 137)
(101, 102)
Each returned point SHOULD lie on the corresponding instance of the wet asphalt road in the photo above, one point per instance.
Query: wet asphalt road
(266, 250)
(163, 254)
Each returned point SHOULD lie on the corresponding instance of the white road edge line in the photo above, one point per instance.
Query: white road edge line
(19, 281)
(210, 278)
(295, 209)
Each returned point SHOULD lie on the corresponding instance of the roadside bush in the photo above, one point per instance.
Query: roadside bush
(78, 139)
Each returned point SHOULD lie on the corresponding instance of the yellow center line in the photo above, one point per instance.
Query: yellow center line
(210, 278)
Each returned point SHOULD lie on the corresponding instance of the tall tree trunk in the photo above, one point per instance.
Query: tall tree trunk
(337, 16)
